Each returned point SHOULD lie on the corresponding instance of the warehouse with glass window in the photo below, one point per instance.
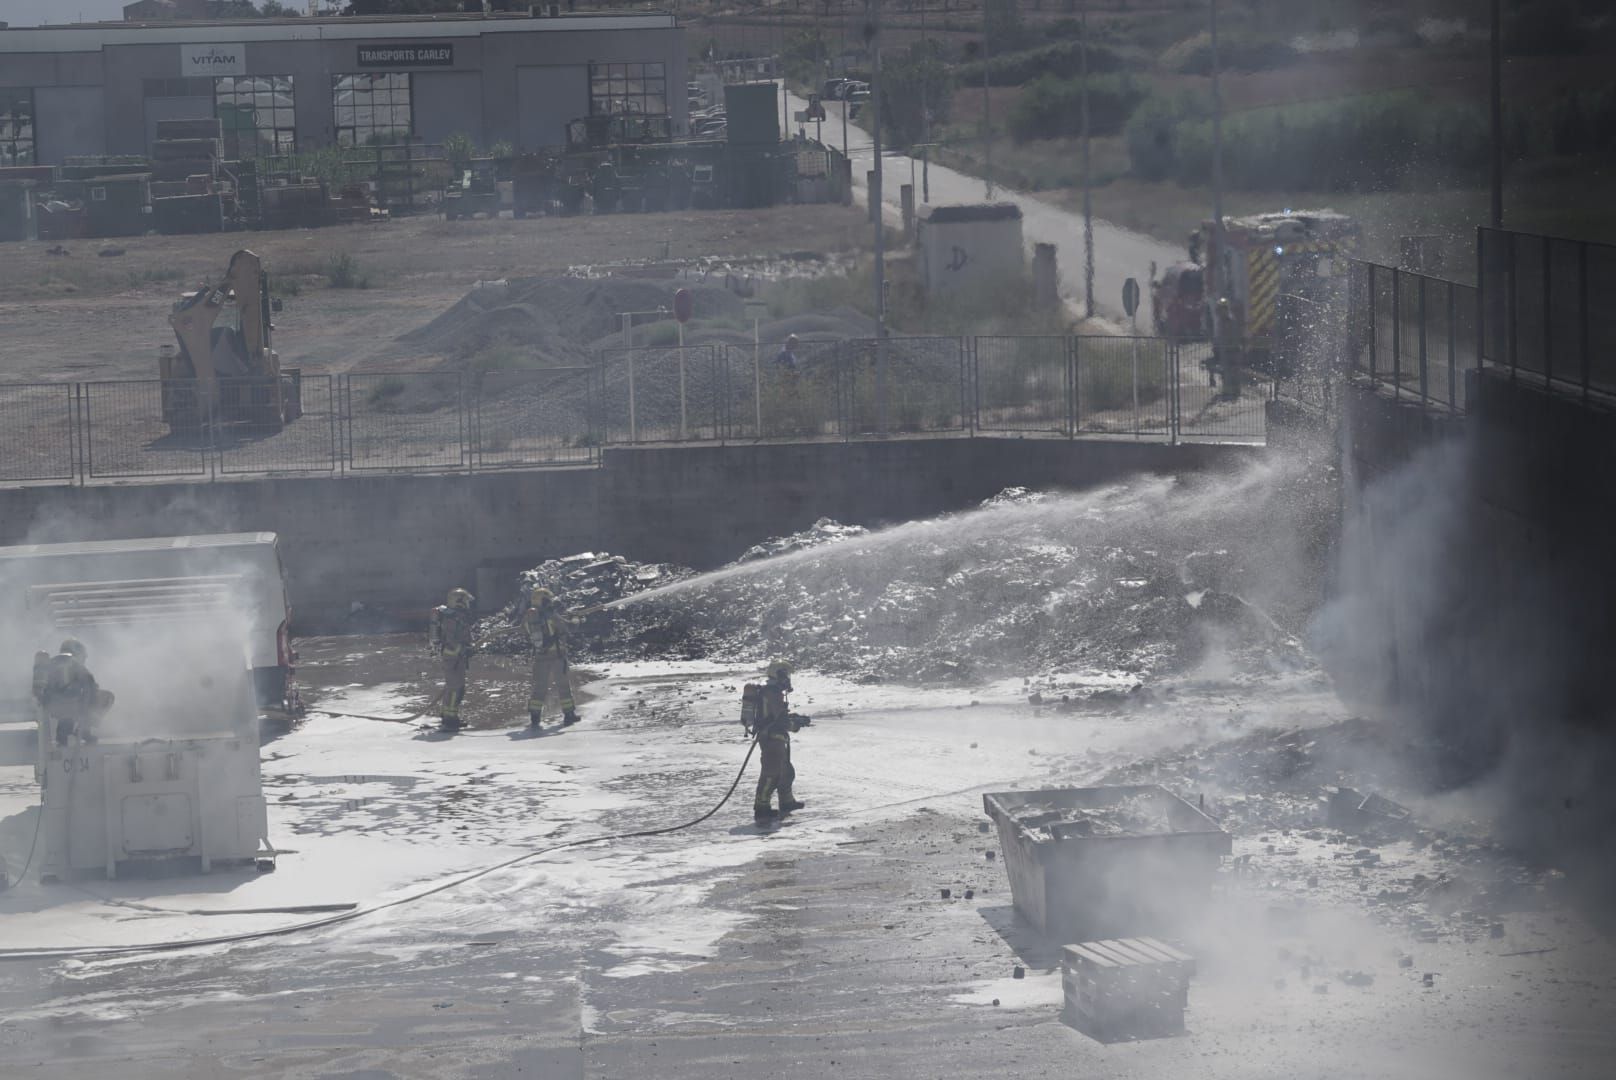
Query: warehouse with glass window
(301, 84)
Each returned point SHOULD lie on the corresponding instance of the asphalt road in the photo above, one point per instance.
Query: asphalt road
(1118, 253)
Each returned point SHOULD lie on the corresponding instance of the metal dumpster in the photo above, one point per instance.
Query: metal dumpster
(1105, 862)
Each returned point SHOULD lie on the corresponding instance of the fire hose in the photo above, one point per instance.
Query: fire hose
(68, 951)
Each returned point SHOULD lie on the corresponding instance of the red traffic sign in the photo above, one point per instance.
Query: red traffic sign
(682, 303)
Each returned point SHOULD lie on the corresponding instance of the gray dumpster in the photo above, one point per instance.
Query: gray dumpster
(1105, 862)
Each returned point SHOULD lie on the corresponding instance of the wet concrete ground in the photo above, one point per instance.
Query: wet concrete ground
(823, 947)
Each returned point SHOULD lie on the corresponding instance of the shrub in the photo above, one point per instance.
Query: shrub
(458, 150)
(344, 273)
(1056, 58)
(911, 83)
(1052, 107)
(382, 394)
(1374, 142)
(1236, 52)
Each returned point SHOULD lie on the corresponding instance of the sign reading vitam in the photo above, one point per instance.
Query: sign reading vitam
(429, 55)
(213, 60)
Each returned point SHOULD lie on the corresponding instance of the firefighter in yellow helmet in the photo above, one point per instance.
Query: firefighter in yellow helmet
(547, 629)
(68, 692)
(773, 728)
(452, 623)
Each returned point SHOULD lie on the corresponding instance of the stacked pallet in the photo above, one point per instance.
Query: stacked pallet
(1125, 988)
(186, 148)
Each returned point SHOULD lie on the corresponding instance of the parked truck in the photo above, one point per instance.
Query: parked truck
(1233, 295)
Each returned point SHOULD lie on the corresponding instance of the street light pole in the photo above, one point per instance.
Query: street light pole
(1217, 162)
(1497, 110)
(1088, 203)
(987, 124)
(880, 237)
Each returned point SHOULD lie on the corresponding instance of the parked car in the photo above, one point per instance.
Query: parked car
(832, 89)
(856, 102)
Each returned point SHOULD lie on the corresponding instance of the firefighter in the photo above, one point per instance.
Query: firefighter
(547, 630)
(451, 640)
(68, 692)
(775, 724)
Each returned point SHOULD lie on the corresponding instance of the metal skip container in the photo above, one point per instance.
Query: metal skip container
(1105, 862)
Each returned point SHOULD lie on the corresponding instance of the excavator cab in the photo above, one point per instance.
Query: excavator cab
(230, 373)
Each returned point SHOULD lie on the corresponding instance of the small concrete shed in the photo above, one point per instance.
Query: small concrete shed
(970, 247)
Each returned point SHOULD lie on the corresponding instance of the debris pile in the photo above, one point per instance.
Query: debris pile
(1026, 583)
(1135, 815)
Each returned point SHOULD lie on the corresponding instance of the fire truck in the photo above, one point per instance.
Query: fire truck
(1266, 258)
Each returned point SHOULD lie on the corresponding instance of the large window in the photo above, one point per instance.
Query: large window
(17, 127)
(628, 90)
(256, 114)
(372, 110)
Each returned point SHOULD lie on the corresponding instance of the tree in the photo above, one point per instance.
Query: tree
(914, 82)
(1001, 23)
(274, 9)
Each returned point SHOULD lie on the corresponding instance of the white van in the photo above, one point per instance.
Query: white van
(231, 584)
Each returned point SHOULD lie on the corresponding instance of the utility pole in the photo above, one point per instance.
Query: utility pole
(880, 237)
(1217, 162)
(987, 124)
(1497, 108)
(1088, 203)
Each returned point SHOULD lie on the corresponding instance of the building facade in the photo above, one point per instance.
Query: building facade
(280, 85)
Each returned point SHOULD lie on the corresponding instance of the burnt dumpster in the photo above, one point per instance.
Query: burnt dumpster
(1105, 862)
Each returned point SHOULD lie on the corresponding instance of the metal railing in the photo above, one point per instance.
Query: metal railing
(1411, 334)
(451, 421)
(1544, 312)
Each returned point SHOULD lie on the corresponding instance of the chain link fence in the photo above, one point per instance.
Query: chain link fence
(662, 394)
(38, 432)
(452, 421)
(527, 418)
(1023, 384)
(405, 422)
(1123, 386)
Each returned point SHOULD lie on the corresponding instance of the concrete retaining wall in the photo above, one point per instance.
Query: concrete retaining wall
(399, 541)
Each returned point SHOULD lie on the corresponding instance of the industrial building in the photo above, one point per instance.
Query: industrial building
(301, 84)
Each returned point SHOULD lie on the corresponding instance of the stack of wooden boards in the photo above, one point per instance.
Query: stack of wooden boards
(1125, 988)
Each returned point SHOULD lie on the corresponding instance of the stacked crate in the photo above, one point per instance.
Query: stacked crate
(1125, 988)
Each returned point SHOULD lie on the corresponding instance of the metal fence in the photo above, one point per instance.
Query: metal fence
(1543, 311)
(1412, 334)
(449, 421)
(524, 418)
(38, 432)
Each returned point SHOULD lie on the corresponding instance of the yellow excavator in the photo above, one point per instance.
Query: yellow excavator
(228, 374)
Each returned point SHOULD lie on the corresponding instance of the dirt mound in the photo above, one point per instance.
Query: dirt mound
(1119, 581)
(558, 320)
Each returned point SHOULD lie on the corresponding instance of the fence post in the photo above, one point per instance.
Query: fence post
(77, 421)
(1370, 323)
(1397, 333)
(1453, 332)
(1074, 368)
(1582, 319)
(757, 382)
(1176, 364)
(633, 419)
(976, 385)
(1169, 387)
(1425, 379)
(967, 420)
(465, 441)
(1510, 314)
(1548, 314)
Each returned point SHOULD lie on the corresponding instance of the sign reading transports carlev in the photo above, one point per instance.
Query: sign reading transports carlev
(213, 60)
(435, 54)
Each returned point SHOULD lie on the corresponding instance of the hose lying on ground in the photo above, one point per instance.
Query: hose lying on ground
(66, 952)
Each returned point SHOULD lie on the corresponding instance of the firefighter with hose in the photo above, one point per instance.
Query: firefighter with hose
(68, 693)
(766, 715)
(547, 629)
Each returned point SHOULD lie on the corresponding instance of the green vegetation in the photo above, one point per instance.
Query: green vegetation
(458, 150)
(1052, 106)
(343, 272)
(913, 83)
(386, 389)
(1054, 58)
(1236, 52)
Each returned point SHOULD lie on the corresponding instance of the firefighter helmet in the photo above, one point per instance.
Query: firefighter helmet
(779, 671)
(541, 597)
(75, 648)
(461, 600)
